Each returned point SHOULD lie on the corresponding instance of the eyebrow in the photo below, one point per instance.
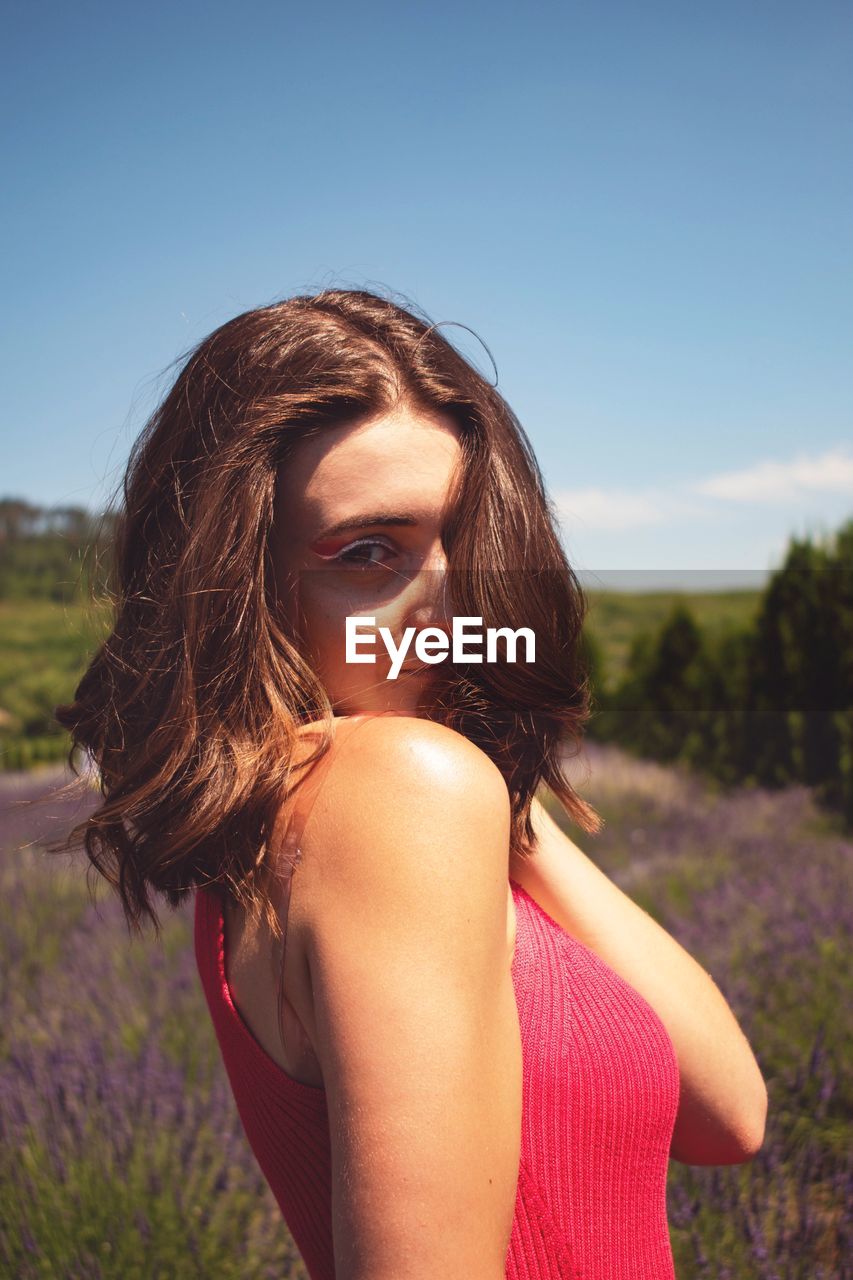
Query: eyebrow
(368, 518)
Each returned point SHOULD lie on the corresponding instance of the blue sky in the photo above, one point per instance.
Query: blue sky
(643, 210)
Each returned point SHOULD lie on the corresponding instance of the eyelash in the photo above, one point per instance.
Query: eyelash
(341, 556)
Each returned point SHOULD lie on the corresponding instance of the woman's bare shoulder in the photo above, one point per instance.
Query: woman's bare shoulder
(385, 744)
(397, 777)
(394, 755)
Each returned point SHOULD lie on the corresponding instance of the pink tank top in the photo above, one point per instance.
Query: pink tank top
(600, 1092)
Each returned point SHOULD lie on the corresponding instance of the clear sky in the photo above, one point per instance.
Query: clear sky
(644, 210)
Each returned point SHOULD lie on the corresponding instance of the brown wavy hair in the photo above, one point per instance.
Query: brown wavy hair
(189, 708)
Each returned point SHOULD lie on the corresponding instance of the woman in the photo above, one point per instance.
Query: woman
(475, 1055)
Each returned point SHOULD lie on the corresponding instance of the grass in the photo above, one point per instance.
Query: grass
(44, 647)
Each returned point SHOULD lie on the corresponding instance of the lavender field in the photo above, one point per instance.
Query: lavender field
(121, 1152)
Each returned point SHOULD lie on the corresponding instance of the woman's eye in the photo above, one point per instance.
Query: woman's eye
(360, 554)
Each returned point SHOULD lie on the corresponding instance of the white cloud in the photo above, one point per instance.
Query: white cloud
(615, 508)
(797, 480)
(830, 472)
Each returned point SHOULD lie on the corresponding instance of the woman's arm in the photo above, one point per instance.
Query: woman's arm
(723, 1104)
(415, 1017)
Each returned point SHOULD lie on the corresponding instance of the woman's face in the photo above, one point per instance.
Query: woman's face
(386, 480)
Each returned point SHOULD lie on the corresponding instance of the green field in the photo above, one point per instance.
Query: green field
(616, 617)
(44, 647)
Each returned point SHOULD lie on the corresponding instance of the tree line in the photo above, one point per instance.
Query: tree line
(52, 553)
(770, 703)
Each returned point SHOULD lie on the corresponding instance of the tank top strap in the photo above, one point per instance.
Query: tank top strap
(299, 811)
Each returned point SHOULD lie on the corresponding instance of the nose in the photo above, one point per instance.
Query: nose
(433, 608)
(435, 560)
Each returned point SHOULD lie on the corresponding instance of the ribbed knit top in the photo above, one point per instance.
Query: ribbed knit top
(600, 1091)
